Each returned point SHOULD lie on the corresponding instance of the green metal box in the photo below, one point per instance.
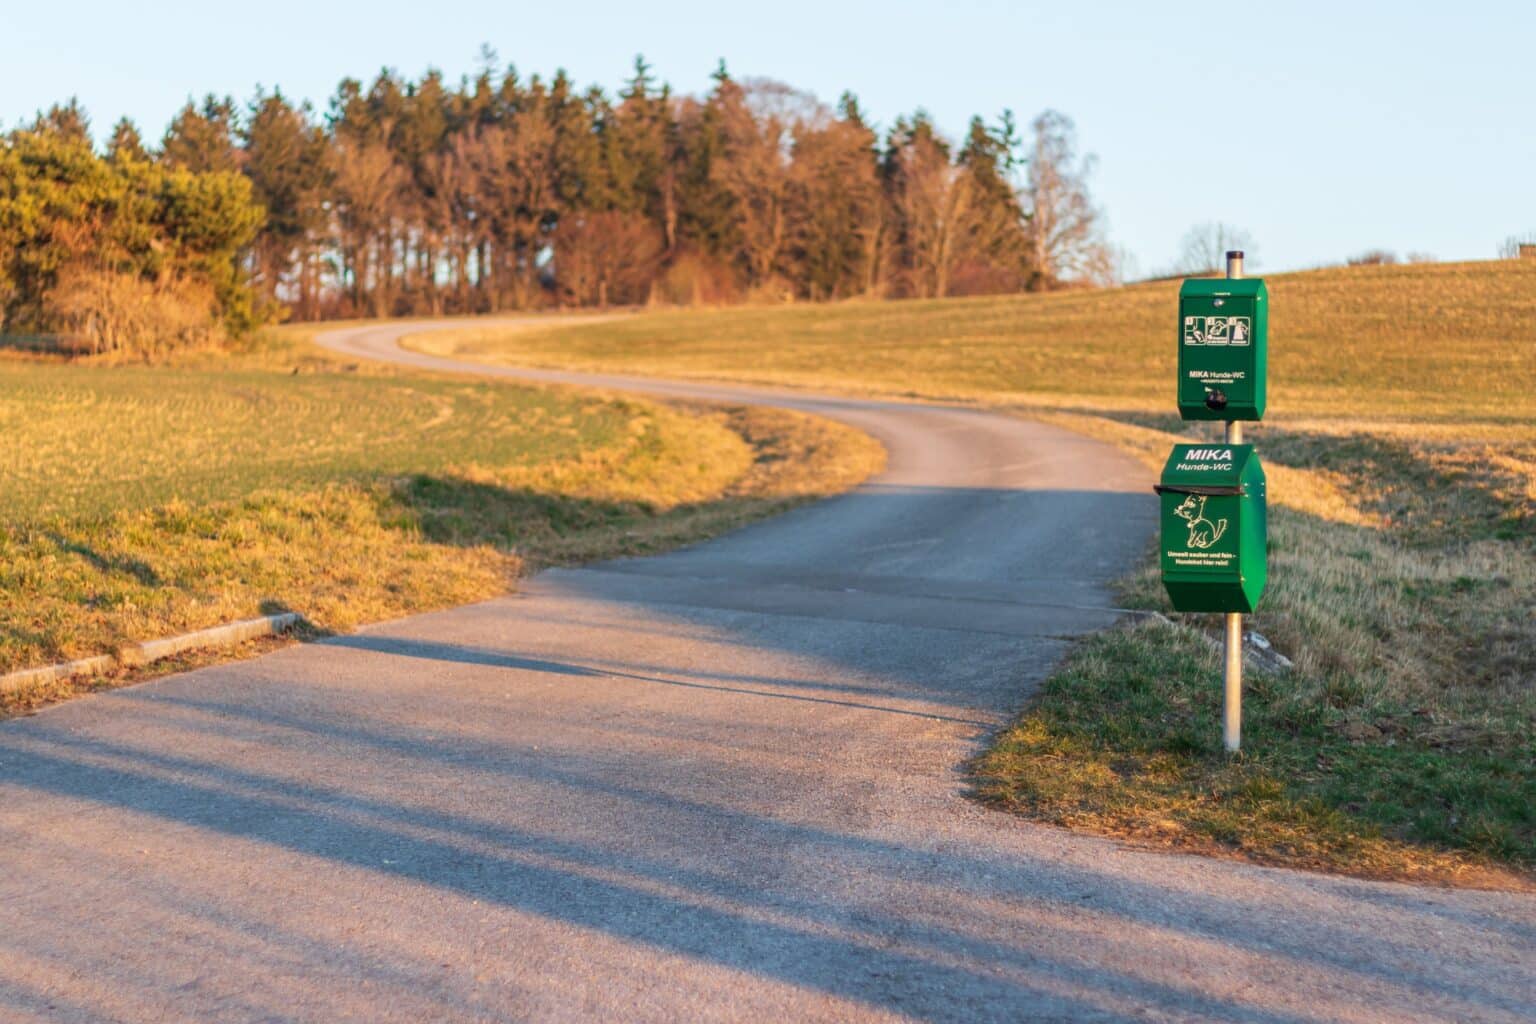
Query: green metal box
(1214, 549)
(1223, 348)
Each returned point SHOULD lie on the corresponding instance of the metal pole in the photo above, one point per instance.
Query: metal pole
(1232, 675)
(1234, 264)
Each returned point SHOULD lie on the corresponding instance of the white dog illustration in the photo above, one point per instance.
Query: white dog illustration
(1202, 532)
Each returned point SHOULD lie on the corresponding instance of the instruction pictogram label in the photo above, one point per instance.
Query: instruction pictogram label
(1218, 330)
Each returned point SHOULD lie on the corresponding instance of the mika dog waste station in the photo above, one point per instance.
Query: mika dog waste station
(1214, 547)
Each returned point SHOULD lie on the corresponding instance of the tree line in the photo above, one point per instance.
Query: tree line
(504, 193)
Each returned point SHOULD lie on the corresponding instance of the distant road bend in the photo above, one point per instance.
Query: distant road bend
(720, 784)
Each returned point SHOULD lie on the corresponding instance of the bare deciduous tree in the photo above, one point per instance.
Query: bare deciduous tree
(606, 257)
(1112, 266)
(367, 180)
(1516, 246)
(1064, 229)
(513, 166)
(935, 202)
(452, 213)
(1205, 247)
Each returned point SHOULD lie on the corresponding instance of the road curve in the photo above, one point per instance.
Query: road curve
(720, 784)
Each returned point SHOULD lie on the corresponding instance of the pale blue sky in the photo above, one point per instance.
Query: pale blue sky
(1323, 128)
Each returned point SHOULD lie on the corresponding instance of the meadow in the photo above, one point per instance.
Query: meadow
(1445, 343)
(142, 502)
(1401, 450)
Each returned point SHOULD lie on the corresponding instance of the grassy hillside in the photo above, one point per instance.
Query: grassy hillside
(1451, 343)
(141, 502)
(1401, 452)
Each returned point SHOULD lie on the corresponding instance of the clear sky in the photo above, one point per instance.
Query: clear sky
(1324, 129)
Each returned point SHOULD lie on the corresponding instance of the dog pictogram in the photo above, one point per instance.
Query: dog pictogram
(1202, 532)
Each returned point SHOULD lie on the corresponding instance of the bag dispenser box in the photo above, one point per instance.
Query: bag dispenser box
(1214, 544)
(1223, 347)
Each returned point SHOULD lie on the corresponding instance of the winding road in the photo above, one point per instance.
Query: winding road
(720, 784)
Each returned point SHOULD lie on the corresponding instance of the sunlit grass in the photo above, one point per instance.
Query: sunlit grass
(1451, 343)
(96, 439)
(142, 502)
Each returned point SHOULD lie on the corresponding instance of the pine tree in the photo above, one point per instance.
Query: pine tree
(126, 143)
(419, 135)
(994, 243)
(706, 218)
(838, 207)
(285, 158)
(67, 121)
(202, 138)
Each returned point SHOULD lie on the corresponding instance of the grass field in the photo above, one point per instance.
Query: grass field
(89, 440)
(1450, 343)
(1401, 450)
(141, 502)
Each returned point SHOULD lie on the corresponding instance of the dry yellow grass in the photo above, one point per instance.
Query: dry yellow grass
(1444, 344)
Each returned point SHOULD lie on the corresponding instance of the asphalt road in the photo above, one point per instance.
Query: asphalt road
(722, 784)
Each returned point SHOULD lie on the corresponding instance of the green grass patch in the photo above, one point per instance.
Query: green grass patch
(1403, 742)
(91, 439)
(1125, 740)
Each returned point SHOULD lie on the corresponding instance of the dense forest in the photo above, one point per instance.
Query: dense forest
(504, 193)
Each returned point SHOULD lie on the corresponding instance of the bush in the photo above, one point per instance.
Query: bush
(695, 280)
(99, 311)
(120, 255)
(1374, 258)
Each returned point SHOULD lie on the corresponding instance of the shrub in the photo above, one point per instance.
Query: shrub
(98, 311)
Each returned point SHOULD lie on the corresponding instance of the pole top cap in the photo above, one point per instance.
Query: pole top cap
(1234, 254)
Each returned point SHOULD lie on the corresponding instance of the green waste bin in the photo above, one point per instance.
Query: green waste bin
(1214, 549)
